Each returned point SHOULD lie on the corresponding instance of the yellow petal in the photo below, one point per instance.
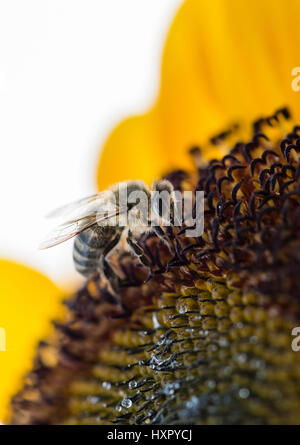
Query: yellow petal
(224, 60)
(126, 156)
(28, 301)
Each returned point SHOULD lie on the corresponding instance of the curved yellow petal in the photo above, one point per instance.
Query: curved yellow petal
(28, 301)
(126, 156)
(224, 60)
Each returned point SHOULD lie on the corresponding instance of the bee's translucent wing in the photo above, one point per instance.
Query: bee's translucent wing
(66, 231)
(84, 206)
(72, 228)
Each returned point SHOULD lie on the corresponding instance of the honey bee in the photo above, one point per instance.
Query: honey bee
(99, 221)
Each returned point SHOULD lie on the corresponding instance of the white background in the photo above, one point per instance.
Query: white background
(69, 71)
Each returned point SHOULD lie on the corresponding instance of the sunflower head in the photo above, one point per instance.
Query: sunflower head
(208, 338)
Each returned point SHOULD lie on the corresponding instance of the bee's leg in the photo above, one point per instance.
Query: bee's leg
(163, 236)
(138, 251)
(160, 233)
(172, 243)
(108, 271)
(105, 266)
(112, 244)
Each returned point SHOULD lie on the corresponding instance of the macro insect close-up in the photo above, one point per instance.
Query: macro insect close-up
(169, 295)
(102, 218)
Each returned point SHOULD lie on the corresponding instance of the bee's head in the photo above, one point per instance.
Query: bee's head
(161, 186)
(134, 186)
(162, 197)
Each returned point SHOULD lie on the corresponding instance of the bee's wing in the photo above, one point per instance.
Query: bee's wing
(72, 228)
(82, 206)
(66, 231)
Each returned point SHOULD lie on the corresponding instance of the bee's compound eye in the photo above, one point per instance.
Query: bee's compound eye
(155, 206)
(161, 204)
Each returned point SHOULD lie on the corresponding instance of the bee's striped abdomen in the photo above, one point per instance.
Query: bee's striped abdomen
(87, 251)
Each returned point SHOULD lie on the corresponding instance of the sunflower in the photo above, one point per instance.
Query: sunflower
(208, 338)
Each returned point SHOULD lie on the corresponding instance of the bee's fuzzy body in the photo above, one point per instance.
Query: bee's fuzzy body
(88, 247)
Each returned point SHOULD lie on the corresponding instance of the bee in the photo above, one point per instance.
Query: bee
(96, 236)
